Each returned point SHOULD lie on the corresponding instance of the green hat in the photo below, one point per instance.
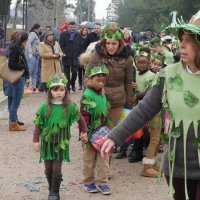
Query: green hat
(166, 37)
(97, 69)
(135, 46)
(143, 53)
(193, 25)
(57, 80)
(156, 41)
(112, 32)
(158, 57)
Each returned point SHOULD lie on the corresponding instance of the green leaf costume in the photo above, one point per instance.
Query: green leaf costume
(97, 105)
(55, 135)
(180, 98)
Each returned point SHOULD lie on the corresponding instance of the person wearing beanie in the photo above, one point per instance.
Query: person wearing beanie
(51, 54)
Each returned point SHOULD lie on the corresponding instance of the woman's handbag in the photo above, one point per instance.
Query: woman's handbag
(98, 137)
(12, 76)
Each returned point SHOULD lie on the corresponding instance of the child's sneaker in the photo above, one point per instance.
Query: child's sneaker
(104, 189)
(91, 188)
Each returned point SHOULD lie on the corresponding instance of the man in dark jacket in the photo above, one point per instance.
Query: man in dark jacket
(71, 45)
(93, 36)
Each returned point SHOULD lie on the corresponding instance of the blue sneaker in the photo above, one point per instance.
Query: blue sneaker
(104, 189)
(91, 188)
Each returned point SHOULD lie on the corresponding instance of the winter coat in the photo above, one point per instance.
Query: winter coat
(50, 65)
(72, 49)
(91, 37)
(118, 86)
(17, 60)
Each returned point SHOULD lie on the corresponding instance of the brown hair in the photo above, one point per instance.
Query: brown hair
(196, 43)
(103, 46)
(22, 37)
(82, 29)
(14, 35)
(65, 103)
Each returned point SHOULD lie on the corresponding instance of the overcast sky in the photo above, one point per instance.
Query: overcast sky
(100, 9)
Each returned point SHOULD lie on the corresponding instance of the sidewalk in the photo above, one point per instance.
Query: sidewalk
(22, 177)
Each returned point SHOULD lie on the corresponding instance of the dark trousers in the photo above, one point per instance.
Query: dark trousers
(68, 70)
(193, 187)
(53, 167)
(81, 72)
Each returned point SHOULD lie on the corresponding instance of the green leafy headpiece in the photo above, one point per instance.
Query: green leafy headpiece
(156, 41)
(193, 25)
(112, 32)
(57, 80)
(158, 57)
(97, 69)
(143, 53)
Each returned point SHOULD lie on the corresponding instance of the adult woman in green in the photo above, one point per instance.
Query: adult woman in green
(177, 91)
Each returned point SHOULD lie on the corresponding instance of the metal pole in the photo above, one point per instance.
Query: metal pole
(5, 21)
(89, 6)
(2, 3)
(26, 15)
(55, 13)
(78, 12)
(23, 20)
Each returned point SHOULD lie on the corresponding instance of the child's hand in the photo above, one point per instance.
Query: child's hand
(36, 146)
(84, 137)
(103, 91)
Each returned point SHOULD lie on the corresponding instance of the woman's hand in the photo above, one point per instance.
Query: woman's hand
(30, 55)
(106, 148)
(56, 55)
(84, 137)
(36, 146)
(134, 84)
(61, 55)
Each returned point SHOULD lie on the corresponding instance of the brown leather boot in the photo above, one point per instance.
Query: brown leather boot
(149, 170)
(156, 167)
(14, 126)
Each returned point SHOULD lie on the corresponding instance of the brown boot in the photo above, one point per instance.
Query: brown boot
(149, 170)
(156, 167)
(14, 126)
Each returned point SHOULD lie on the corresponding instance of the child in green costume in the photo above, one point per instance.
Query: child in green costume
(94, 109)
(144, 78)
(52, 126)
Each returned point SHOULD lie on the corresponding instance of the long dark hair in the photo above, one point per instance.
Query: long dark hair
(23, 36)
(35, 26)
(65, 103)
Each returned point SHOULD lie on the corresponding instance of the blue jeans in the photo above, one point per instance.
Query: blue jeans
(33, 64)
(14, 102)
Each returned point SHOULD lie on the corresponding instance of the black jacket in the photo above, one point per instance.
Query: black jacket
(72, 49)
(17, 60)
(91, 37)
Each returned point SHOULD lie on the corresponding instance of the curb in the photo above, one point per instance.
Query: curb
(3, 104)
